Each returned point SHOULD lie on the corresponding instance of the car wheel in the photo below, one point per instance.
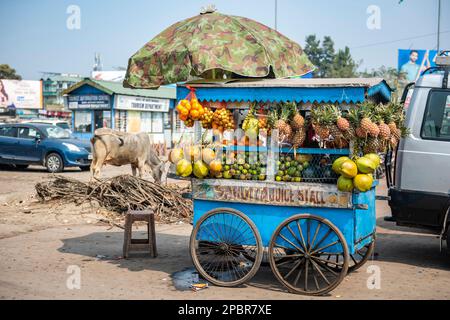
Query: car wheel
(85, 168)
(21, 166)
(54, 163)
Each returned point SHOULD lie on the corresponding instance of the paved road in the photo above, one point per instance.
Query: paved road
(38, 250)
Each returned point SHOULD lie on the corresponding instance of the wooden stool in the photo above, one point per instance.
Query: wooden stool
(130, 244)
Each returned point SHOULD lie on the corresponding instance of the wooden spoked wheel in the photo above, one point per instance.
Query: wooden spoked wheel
(356, 261)
(361, 256)
(302, 253)
(226, 248)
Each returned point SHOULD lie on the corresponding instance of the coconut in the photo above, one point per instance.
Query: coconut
(337, 164)
(349, 169)
(192, 153)
(363, 182)
(345, 184)
(176, 155)
(365, 165)
(201, 170)
(184, 168)
(208, 155)
(374, 157)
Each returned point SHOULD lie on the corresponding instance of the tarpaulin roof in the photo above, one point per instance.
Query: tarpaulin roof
(352, 90)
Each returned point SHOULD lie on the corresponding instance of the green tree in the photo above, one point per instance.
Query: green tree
(328, 56)
(343, 65)
(314, 52)
(330, 63)
(6, 72)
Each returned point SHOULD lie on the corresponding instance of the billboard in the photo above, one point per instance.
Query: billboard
(20, 94)
(413, 62)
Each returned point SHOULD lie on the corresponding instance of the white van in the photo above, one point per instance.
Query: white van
(419, 189)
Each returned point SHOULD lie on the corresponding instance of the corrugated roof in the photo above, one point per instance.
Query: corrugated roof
(109, 87)
(288, 83)
(350, 90)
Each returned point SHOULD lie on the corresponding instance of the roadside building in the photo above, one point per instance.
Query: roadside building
(53, 86)
(97, 104)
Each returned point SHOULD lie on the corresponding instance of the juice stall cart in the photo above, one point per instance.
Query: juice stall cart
(270, 196)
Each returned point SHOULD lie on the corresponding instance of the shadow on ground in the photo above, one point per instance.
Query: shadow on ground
(410, 249)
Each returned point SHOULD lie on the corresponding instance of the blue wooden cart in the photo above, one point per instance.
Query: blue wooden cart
(309, 233)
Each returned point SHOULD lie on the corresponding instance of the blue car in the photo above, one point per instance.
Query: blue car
(22, 145)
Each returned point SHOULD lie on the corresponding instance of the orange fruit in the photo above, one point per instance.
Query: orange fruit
(185, 112)
(195, 114)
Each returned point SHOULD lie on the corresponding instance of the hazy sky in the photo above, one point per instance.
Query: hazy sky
(34, 35)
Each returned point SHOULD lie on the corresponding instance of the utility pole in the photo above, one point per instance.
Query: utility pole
(276, 15)
(439, 26)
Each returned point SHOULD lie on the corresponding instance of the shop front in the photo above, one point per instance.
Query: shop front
(102, 104)
(142, 114)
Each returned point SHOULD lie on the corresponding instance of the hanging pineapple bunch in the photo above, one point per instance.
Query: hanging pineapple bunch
(298, 124)
(394, 116)
(339, 127)
(384, 136)
(322, 121)
(251, 123)
(369, 124)
(282, 124)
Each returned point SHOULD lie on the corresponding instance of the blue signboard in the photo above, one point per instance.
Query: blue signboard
(90, 102)
(413, 62)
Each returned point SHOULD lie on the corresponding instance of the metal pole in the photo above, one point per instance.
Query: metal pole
(439, 26)
(276, 15)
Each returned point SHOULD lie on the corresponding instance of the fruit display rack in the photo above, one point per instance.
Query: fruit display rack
(287, 212)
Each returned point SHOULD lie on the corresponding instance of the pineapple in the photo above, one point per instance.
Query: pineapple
(354, 120)
(342, 123)
(285, 130)
(373, 145)
(367, 123)
(393, 142)
(298, 121)
(322, 120)
(360, 133)
(299, 138)
(385, 131)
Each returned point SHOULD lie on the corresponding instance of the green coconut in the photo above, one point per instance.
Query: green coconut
(365, 165)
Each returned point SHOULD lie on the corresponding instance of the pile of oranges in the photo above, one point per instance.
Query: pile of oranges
(190, 111)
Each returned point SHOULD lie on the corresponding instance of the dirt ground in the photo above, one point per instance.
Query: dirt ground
(43, 247)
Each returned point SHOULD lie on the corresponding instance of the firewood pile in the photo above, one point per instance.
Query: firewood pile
(120, 194)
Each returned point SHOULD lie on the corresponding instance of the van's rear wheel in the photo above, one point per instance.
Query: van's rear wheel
(54, 163)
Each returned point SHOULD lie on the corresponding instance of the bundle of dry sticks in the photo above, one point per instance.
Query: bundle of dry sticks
(120, 194)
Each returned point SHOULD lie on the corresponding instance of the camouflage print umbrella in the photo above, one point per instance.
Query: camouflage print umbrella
(213, 41)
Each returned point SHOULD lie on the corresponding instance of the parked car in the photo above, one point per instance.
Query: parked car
(59, 123)
(419, 189)
(27, 144)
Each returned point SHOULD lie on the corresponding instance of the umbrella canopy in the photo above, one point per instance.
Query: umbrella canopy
(213, 41)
